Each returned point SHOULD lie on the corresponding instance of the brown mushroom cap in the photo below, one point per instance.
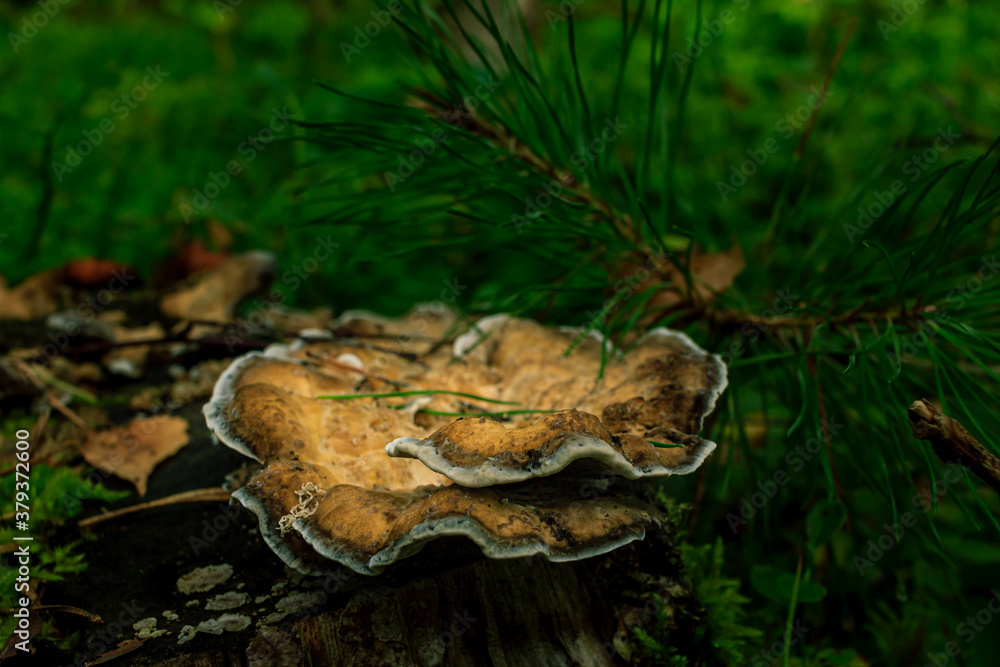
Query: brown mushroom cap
(660, 391)
(264, 407)
(482, 452)
(368, 530)
(329, 491)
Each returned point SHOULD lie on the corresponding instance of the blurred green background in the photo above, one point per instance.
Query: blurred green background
(909, 70)
(227, 67)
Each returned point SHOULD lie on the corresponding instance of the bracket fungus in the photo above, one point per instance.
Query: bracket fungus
(371, 450)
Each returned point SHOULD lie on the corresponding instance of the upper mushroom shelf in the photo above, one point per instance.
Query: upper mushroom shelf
(660, 392)
(322, 415)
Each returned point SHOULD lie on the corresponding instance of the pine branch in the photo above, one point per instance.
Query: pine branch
(505, 140)
(952, 442)
(867, 326)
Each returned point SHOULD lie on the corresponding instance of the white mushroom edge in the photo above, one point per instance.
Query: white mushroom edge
(577, 446)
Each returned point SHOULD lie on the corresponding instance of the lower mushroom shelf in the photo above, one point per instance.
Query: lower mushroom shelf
(366, 530)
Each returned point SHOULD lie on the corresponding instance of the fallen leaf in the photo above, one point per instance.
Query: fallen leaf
(70, 609)
(36, 297)
(215, 294)
(133, 452)
(198, 382)
(711, 275)
(283, 319)
(130, 360)
(124, 647)
(190, 256)
(93, 272)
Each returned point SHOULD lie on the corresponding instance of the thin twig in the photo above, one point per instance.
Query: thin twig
(68, 608)
(196, 496)
(347, 367)
(500, 137)
(841, 48)
(123, 647)
(950, 440)
(37, 433)
(811, 364)
(42, 378)
(66, 412)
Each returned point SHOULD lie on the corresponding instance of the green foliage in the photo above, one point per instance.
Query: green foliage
(833, 328)
(52, 564)
(227, 72)
(831, 658)
(7, 594)
(58, 561)
(722, 627)
(725, 609)
(778, 585)
(7, 625)
(722, 624)
(51, 634)
(895, 631)
(57, 494)
(823, 521)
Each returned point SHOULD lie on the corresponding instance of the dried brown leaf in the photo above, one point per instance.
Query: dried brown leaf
(215, 293)
(711, 275)
(34, 298)
(131, 453)
(123, 648)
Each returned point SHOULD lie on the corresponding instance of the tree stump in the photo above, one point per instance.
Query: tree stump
(448, 605)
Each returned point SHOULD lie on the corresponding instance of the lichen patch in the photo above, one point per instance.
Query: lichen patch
(204, 579)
